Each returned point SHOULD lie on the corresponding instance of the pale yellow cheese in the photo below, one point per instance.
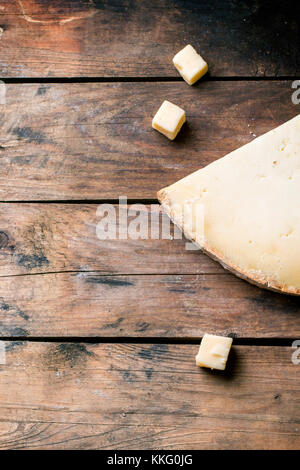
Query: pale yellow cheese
(251, 205)
(213, 352)
(190, 64)
(169, 119)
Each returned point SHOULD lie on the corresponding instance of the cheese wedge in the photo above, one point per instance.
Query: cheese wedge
(250, 202)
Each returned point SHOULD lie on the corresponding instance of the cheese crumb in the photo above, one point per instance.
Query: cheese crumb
(213, 352)
(190, 64)
(169, 119)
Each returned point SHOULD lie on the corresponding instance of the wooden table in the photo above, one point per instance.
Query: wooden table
(100, 336)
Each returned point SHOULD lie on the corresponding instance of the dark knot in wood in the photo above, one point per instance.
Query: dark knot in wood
(3, 239)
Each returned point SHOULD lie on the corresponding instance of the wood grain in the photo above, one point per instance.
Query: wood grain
(94, 140)
(43, 238)
(88, 304)
(84, 286)
(92, 38)
(91, 142)
(126, 396)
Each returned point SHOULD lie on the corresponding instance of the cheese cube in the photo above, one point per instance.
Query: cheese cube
(190, 65)
(169, 119)
(213, 352)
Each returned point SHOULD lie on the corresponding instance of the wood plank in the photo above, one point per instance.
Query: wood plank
(128, 396)
(62, 237)
(181, 306)
(92, 38)
(43, 238)
(94, 140)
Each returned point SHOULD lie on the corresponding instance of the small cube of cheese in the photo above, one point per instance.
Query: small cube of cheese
(213, 352)
(189, 64)
(169, 119)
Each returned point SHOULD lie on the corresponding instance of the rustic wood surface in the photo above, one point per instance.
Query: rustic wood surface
(96, 140)
(128, 396)
(116, 38)
(178, 306)
(83, 80)
(43, 238)
(115, 288)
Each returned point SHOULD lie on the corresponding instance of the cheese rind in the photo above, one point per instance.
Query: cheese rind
(251, 204)
(190, 64)
(213, 351)
(169, 119)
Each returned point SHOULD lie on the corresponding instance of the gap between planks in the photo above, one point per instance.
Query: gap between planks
(24, 80)
(268, 342)
(83, 201)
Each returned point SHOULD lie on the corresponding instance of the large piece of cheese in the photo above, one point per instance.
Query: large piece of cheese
(250, 202)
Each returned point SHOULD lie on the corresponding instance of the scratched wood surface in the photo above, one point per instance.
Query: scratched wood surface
(114, 38)
(63, 237)
(68, 396)
(173, 306)
(121, 287)
(96, 140)
(82, 81)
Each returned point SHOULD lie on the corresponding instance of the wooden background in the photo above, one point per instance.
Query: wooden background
(99, 337)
